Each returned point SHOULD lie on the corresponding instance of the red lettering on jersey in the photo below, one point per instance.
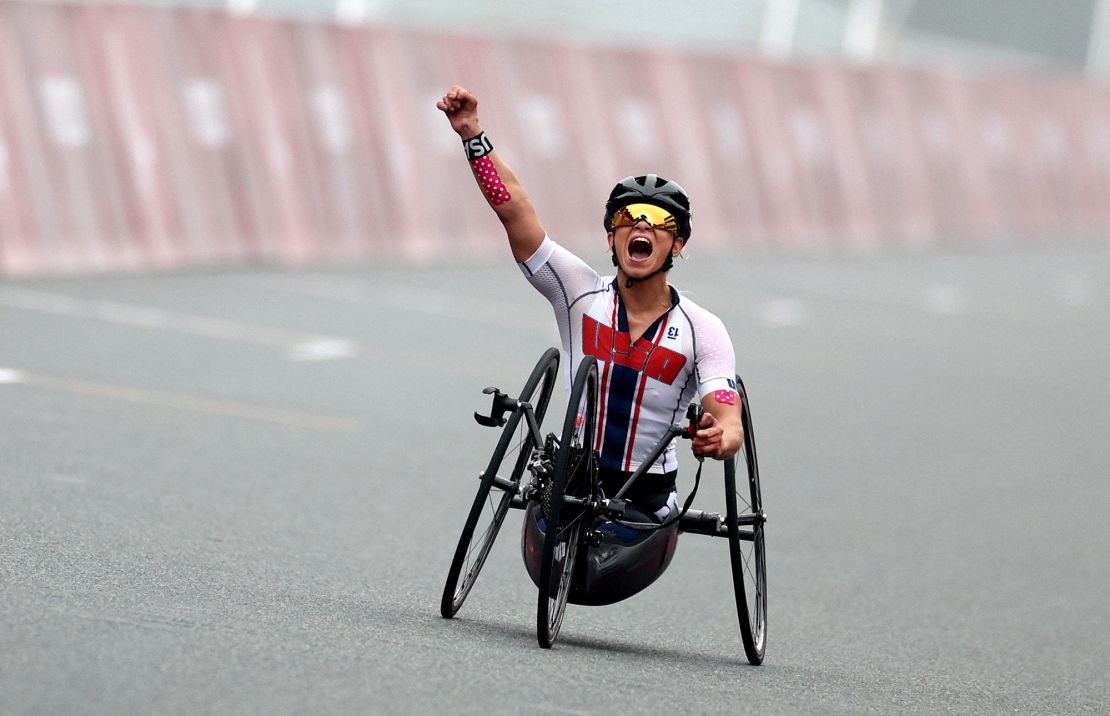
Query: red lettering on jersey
(656, 362)
(665, 365)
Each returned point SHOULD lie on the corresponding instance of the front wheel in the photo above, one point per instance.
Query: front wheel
(491, 504)
(575, 478)
(745, 521)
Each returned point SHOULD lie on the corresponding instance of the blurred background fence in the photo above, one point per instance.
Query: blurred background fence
(155, 137)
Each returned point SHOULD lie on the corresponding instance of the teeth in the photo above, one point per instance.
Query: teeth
(640, 248)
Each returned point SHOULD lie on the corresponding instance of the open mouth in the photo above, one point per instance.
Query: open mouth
(639, 248)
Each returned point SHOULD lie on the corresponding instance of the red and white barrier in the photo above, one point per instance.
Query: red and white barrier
(146, 138)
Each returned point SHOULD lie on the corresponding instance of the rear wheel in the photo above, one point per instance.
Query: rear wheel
(745, 521)
(575, 477)
(496, 490)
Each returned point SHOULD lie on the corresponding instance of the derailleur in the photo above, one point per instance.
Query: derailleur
(542, 467)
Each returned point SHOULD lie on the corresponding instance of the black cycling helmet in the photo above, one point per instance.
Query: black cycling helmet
(651, 189)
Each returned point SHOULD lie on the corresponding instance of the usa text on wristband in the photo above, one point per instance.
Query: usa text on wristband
(477, 147)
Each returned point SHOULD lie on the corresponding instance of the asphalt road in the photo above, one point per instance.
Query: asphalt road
(238, 492)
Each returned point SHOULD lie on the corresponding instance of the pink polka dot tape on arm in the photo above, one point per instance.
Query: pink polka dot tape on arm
(490, 181)
(725, 397)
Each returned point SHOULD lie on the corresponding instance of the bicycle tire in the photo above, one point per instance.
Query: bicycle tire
(747, 547)
(575, 475)
(471, 555)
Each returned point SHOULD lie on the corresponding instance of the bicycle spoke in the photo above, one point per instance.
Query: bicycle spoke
(746, 548)
(476, 544)
(562, 564)
(522, 435)
(569, 525)
(749, 566)
(493, 512)
(574, 483)
(498, 484)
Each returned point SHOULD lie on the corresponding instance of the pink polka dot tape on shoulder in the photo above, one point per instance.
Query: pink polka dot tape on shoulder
(490, 181)
(726, 397)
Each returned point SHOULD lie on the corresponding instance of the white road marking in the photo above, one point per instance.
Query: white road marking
(782, 312)
(327, 349)
(885, 292)
(945, 300)
(41, 301)
(507, 313)
(67, 479)
(1075, 290)
(425, 300)
(293, 343)
(132, 315)
(7, 375)
(191, 403)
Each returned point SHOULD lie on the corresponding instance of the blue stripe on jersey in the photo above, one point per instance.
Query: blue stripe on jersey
(618, 415)
(621, 398)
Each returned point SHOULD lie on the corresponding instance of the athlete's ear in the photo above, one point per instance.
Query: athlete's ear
(679, 244)
(610, 237)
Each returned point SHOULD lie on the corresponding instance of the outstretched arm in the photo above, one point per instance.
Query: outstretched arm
(497, 181)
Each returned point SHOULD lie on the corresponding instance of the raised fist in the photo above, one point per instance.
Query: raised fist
(461, 108)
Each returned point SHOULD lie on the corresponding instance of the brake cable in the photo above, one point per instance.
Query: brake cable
(667, 522)
(695, 420)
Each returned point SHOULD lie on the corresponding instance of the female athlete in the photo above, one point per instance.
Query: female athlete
(656, 349)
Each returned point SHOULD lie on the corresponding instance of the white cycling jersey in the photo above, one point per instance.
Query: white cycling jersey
(644, 386)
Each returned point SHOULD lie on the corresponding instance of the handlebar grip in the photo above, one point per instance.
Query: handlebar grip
(501, 404)
(693, 414)
(487, 421)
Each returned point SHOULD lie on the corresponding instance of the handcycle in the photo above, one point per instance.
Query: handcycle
(575, 538)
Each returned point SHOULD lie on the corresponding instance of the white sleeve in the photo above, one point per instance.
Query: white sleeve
(716, 358)
(559, 275)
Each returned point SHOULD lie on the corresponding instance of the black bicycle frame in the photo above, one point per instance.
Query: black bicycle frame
(694, 521)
